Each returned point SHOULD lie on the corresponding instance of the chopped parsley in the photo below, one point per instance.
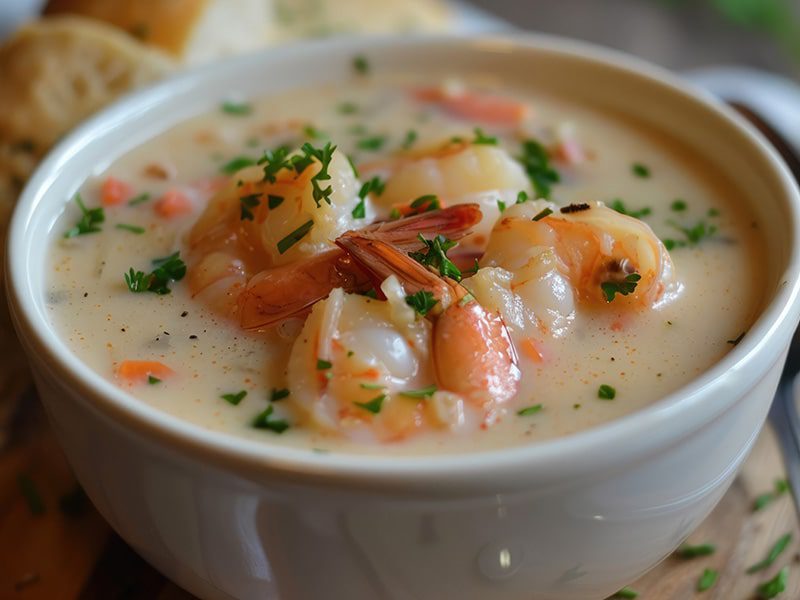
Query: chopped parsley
(693, 235)
(774, 553)
(372, 143)
(372, 386)
(352, 164)
(626, 593)
(374, 405)
(278, 394)
(781, 487)
(274, 201)
(238, 109)
(169, 268)
(247, 204)
(234, 399)
(776, 585)
(687, 551)
(323, 155)
(31, 494)
(624, 287)
(640, 170)
(542, 214)
(435, 255)
(425, 392)
(140, 199)
(606, 392)
(618, 205)
(347, 108)
(422, 302)
(394, 213)
(90, 219)
(263, 421)
(373, 186)
(501, 206)
(361, 65)
(323, 364)
(522, 197)
(425, 203)
(132, 228)
(482, 139)
(408, 141)
(713, 212)
(536, 162)
(736, 340)
(678, 205)
(475, 268)
(312, 132)
(529, 410)
(707, 580)
(273, 161)
(237, 164)
(294, 237)
(153, 380)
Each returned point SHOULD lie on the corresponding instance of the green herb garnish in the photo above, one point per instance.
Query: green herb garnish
(132, 228)
(237, 164)
(678, 205)
(422, 302)
(694, 234)
(483, 139)
(247, 204)
(263, 421)
(618, 205)
(294, 237)
(169, 268)
(774, 552)
(274, 201)
(278, 394)
(624, 287)
(426, 203)
(273, 161)
(372, 386)
(323, 364)
(312, 132)
(542, 214)
(626, 593)
(31, 494)
(435, 255)
(781, 487)
(140, 199)
(522, 197)
(373, 186)
(323, 156)
(425, 392)
(640, 170)
(374, 405)
(687, 551)
(408, 141)
(90, 219)
(234, 399)
(536, 162)
(239, 109)
(707, 580)
(347, 108)
(501, 206)
(372, 143)
(361, 65)
(529, 410)
(606, 392)
(153, 380)
(775, 586)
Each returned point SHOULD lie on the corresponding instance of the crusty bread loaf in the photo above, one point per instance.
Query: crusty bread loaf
(192, 31)
(57, 71)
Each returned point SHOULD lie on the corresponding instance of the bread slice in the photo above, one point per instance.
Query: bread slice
(192, 31)
(57, 71)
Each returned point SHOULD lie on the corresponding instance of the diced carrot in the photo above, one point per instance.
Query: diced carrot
(115, 191)
(173, 203)
(530, 350)
(138, 371)
(476, 106)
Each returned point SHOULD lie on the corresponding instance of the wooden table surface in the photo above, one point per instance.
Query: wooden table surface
(72, 554)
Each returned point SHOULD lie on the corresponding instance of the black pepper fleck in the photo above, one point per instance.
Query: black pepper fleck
(85, 294)
(192, 337)
(184, 313)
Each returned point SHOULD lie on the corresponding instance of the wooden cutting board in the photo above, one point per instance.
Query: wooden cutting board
(75, 555)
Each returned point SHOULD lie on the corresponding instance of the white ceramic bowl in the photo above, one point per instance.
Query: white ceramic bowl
(573, 518)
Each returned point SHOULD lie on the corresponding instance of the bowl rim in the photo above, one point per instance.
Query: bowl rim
(596, 447)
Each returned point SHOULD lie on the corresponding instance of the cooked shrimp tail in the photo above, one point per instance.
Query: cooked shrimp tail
(453, 222)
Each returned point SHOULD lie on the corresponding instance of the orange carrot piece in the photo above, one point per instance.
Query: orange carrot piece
(475, 106)
(530, 350)
(173, 203)
(115, 191)
(138, 371)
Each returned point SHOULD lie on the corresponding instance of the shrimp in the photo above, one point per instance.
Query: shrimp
(290, 290)
(586, 245)
(472, 351)
(456, 174)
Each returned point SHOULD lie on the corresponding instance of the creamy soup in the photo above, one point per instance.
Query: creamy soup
(404, 267)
